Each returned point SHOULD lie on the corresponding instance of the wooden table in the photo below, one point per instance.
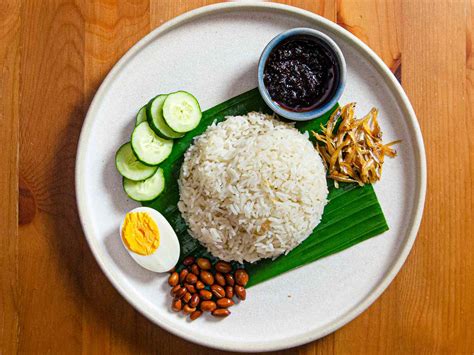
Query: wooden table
(53, 57)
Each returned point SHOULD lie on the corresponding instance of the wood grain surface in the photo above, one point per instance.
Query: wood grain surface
(53, 56)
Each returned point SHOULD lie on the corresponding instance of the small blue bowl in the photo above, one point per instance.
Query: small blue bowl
(319, 111)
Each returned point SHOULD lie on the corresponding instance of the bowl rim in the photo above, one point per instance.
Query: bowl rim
(319, 111)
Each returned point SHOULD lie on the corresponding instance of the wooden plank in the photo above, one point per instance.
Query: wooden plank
(164, 10)
(436, 283)
(428, 302)
(9, 127)
(50, 245)
(465, 270)
(378, 24)
(110, 324)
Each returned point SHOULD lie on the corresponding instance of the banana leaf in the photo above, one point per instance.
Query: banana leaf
(352, 215)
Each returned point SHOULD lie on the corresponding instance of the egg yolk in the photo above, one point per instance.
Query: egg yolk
(140, 233)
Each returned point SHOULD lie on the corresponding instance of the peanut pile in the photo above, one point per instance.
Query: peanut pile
(202, 287)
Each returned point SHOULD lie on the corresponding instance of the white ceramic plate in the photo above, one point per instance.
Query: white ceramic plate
(213, 53)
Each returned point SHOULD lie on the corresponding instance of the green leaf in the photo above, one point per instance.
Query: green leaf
(352, 215)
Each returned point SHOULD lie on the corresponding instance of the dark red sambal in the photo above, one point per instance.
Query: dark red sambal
(301, 73)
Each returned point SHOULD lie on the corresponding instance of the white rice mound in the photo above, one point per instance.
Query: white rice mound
(252, 187)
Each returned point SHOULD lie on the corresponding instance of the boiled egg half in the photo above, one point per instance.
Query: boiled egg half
(149, 239)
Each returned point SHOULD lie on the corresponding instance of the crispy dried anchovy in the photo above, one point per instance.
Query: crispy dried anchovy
(355, 152)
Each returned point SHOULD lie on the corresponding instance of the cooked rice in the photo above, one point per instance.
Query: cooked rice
(252, 187)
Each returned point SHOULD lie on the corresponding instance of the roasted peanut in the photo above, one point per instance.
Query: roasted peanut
(189, 260)
(186, 297)
(223, 266)
(225, 302)
(240, 292)
(176, 305)
(195, 315)
(205, 294)
(229, 292)
(191, 279)
(220, 279)
(218, 291)
(221, 312)
(180, 293)
(187, 309)
(183, 274)
(207, 277)
(174, 290)
(204, 263)
(200, 285)
(173, 279)
(208, 306)
(194, 301)
(229, 279)
(241, 277)
(190, 288)
(195, 269)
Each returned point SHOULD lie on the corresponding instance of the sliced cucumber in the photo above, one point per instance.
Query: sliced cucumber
(155, 118)
(145, 190)
(181, 111)
(141, 116)
(148, 147)
(130, 167)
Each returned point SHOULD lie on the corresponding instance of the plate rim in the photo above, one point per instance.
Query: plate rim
(403, 103)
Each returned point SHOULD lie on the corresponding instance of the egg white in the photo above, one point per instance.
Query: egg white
(166, 255)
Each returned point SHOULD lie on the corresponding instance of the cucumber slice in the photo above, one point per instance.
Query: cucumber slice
(148, 147)
(145, 190)
(155, 118)
(130, 167)
(141, 116)
(181, 111)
